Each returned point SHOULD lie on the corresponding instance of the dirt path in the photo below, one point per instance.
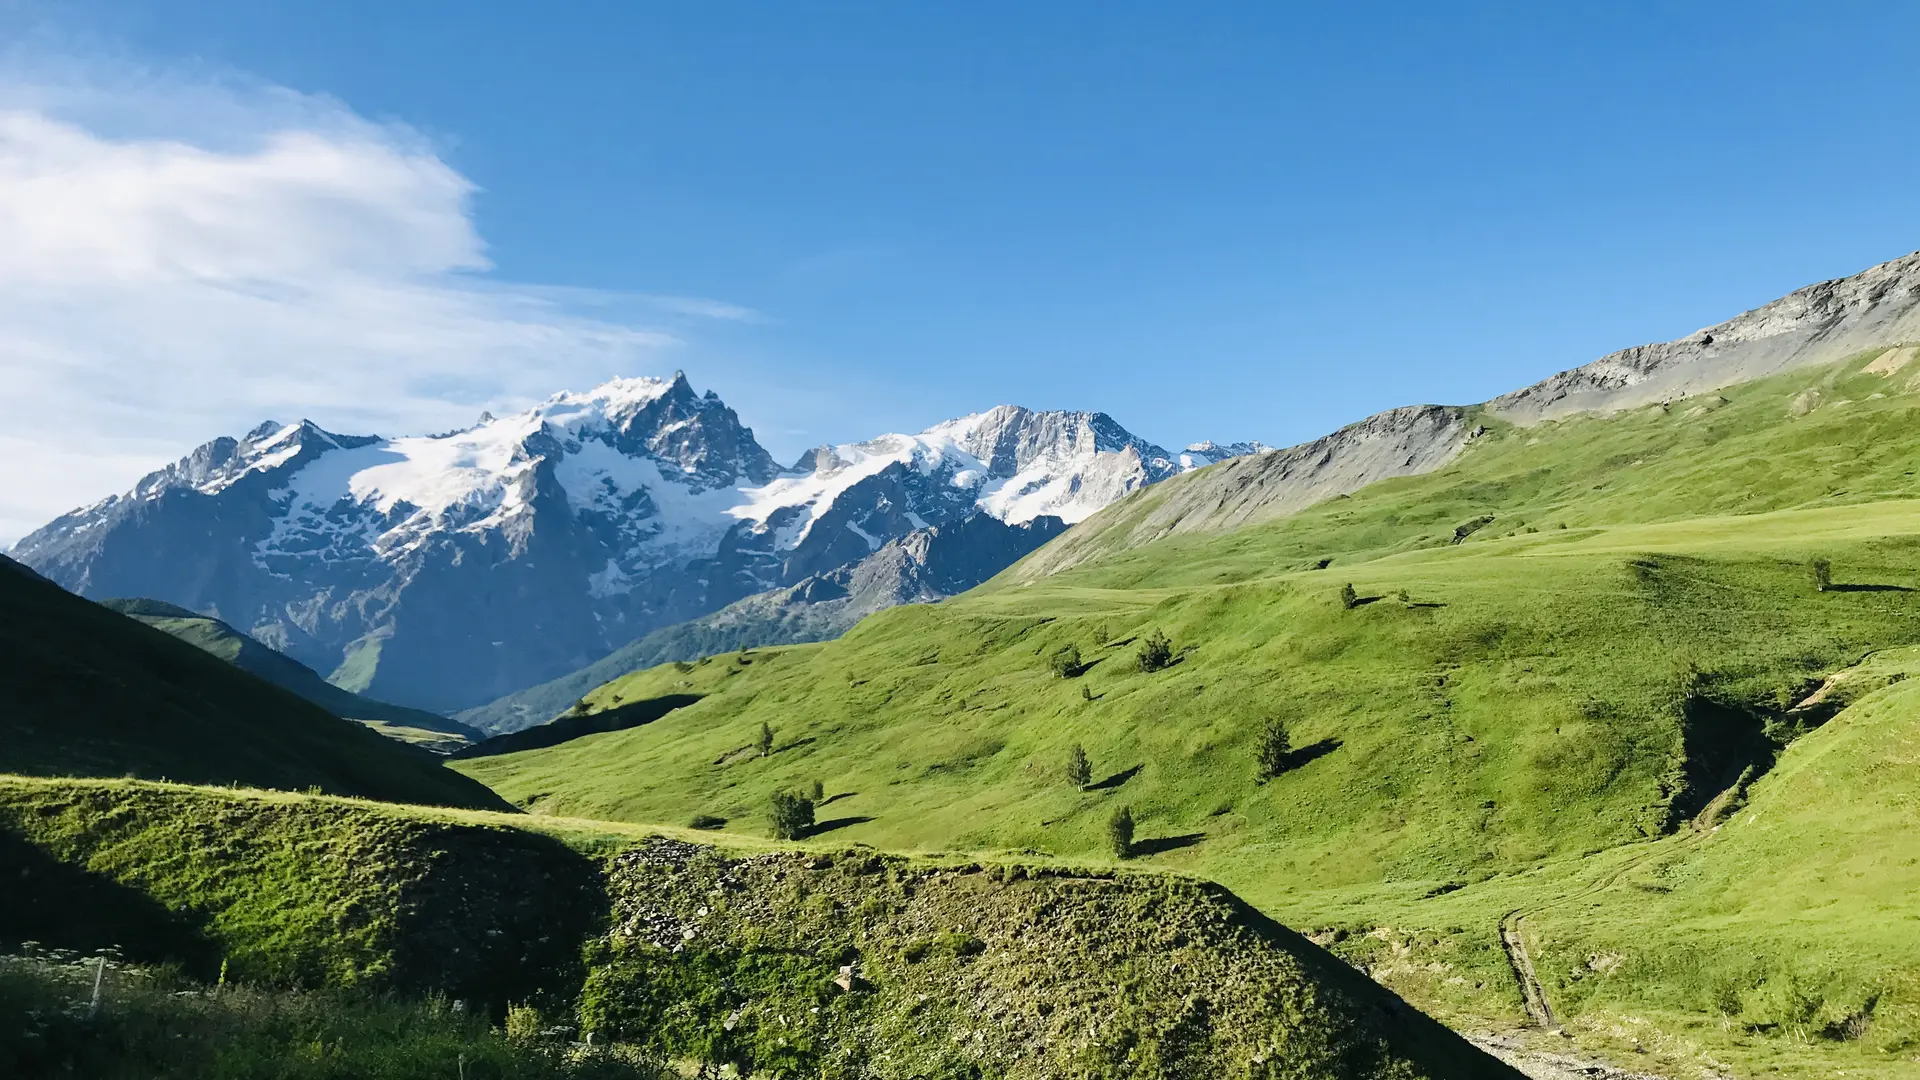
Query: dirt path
(1535, 996)
(1543, 1065)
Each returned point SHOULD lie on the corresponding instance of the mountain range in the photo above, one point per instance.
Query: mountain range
(445, 571)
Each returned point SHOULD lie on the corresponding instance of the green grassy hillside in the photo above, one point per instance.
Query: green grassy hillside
(397, 721)
(1614, 642)
(85, 691)
(697, 954)
(1772, 936)
(289, 890)
(629, 703)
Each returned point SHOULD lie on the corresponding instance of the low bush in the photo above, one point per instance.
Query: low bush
(1065, 661)
(1120, 833)
(1156, 653)
(1276, 749)
(792, 815)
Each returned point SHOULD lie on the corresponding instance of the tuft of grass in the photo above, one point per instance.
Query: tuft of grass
(152, 1025)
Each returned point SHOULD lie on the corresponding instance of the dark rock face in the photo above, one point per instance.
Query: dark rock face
(445, 571)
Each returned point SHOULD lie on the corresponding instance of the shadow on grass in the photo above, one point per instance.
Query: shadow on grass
(1115, 780)
(831, 824)
(1867, 588)
(1158, 844)
(837, 796)
(794, 745)
(1081, 669)
(65, 906)
(567, 728)
(1311, 752)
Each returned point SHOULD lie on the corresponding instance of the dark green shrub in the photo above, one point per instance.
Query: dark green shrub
(1822, 575)
(1276, 749)
(1348, 598)
(1079, 771)
(765, 742)
(1120, 833)
(819, 791)
(792, 815)
(1468, 528)
(1065, 661)
(1156, 653)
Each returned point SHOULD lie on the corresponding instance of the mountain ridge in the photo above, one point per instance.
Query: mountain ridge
(1819, 323)
(216, 637)
(87, 691)
(444, 571)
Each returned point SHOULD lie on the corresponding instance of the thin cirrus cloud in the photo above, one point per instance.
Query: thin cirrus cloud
(183, 260)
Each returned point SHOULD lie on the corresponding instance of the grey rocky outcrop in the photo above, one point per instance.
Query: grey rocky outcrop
(1816, 325)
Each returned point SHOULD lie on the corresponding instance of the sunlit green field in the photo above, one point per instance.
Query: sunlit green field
(1531, 719)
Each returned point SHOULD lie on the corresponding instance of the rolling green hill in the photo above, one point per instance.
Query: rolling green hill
(1576, 638)
(205, 632)
(958, 969)
(85, 691)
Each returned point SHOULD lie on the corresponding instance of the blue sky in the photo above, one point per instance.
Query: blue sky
(1210, 220)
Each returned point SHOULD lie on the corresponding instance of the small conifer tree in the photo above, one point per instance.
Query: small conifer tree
(1276, 749)
(819, 791)
(765, 742)
(1120, 833)
(1822, 575)
(1348, 598)
(1065, 661)
(1156, 653)
(792, 815)
(1079, 771)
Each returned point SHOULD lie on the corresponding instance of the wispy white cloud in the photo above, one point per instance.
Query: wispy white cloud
(181, 258)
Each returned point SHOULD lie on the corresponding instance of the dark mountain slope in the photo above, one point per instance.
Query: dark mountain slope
(212, 635)
(85, 691)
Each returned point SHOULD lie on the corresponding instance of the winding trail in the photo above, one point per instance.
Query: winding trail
(1513, 924)
(1515, 944)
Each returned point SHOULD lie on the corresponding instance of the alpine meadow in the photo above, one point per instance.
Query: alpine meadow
(653, 542)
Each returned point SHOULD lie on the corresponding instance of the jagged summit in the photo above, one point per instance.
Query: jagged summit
(446, 570)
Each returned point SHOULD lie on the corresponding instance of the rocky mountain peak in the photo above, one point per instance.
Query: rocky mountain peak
(1011, 438)
(442, 570)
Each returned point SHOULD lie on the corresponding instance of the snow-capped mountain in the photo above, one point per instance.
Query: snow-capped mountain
(446, 570)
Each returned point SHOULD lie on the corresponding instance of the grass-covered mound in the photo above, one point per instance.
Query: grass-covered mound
(972, 970)
(85, 691)
(244, 652)
(684, 952)
(294, 890)
(147, 1024)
